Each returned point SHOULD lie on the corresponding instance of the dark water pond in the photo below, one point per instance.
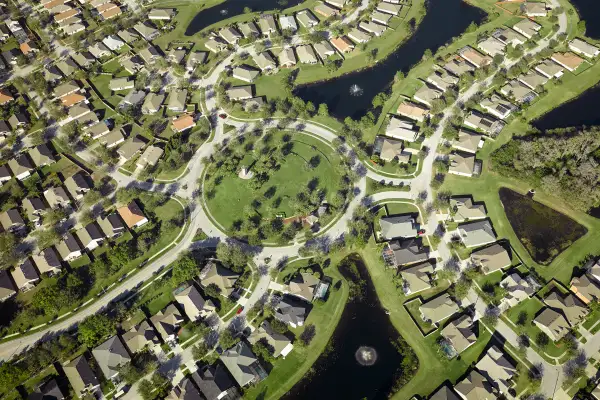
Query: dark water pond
(578, 112)
(338, 375)
(444, 20)
(589, 11)
(231, 8)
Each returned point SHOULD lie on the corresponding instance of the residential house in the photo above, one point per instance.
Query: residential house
(128, 36)
(240, 92)
(11, 221)
(110, 356)
(152, 103)
(132, 215)
(492, 46)
(372, 28)
(47, 261)
(573, 309)
(243, 365)
(99, 50)
(21, 167)
(5, 174)
(287, 58)
(193, 304)
(48, 390)
(267, 24)
(398, 226)
(358, 36)
(65, 89)
(194, 59)
(167, 322)
(81, 377)
(84, 59)
(389, 8)
(113, 42)
(568, 60)
(475, 387)
(5, 130)
(67, 67)
(57, 197)
(468, 141)
(215, 44)
(141, 336)
(291, 311)
(390, 149)
(417, 277)
(458, 66)
(532, 79)
(18, 121)
(223, 278)
(474, 57)
(497, 106)
(517, 289)
(336, 3)
(72, 29)
(585, 289)
(249, 29)
(34, 208)
(25, 276)
(412, 111)
(405, 252)
(98, 130)
(381, 18)
(78, 185)
(460, 333)
(265, 62)
(342, 44)
(183, 123)
(400, 129)
(491, 259)
(445, 393)
(438, 308)
(288, 22)
(306, 54)
(463, 208)
(484, 123)
(176, 56)
(303, 285)
(497, 369)
(150, 157)
(281, 345)
(72, 99)
(527, 28)
(214, 383)
(133, 99)
(131, 147)
(114, 138)
(246, 73)
(230, 35)
(77, 112)
(146, 31)
(123, 83)
(534, 9)
(552, 323)
(582, 47)
(462, 164)
(184, 390)
(442, 79)
(176, 101)
(427, 95)
(550, 69)
(325, 10)
(509, 36)
(7, 288)
(477, 233)
(149, 54)
(518, 91)
(109, 10)
(68, 248)
(111, 225)
(90, 236)
(307, 19)
(161, 14)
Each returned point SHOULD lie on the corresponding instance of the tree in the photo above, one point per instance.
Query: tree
(279, 327)
(323, 110)
(94, 329)
(308, 334)
(542, 340)
(8, 248)
(264, 350)
(185, 269)
(213, 291)
(233, 255)
(581, 27)
(200, 350)
(227, 340)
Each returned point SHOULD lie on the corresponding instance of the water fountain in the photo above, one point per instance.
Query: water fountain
(356, 90)
(366, 356)
(224, 12)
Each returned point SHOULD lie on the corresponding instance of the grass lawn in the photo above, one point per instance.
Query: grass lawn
(374, 186)
(400, 208)
(413, 309)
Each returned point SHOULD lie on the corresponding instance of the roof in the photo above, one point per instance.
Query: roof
(110, 224)
(67, 66)
(517, 289)
(98, 130)
(306, 18)
(20, 164)
(458, 66)
(532, 8)
(177, 99)
(438, 308)
(192, 302)
(287, 57)
(464, 208)
(90, 233)
(427, 94)
(121, 83)
(475, 387)
(442, 79)
(483, 122)
(112, 138)
(183, 122)
(389, 148)
(568, 60)
(32, 206)
(381, 17)
(400, 129)
(110, 355)
(527, 27)
(167, 321)
(131, 147)
(467, 141)
(584, 288)
(533, 79)
(56, 196)
(240, 362)
(145, 30)
(549, 68)
(47, 261)
(131, 214)
(7, 288)
(224, 278)
(246, 73)
(213, 381)
(475, 57)
(445, 393)
(342, 43)
(278, 341)
(306, 54)
(389, 7)
(80, 374)
(359, 36)
(303, 285)
(5, 171)
(573, 309)
(477, 233)
(288, 22)
(77, 183)
(516, 89)
(67, 245)
(497, 368)
(48, 390)
(584, 47)
(267, 23)
(491, 258)
(498, 106)
(325, 10)
(11, 217)
(41, 155)
(555, 323)
(460, 333)
(161, 13)
(230, 34)
(139, 336)
(291, 311)
(5, 97)
(418, 277)
(248, 29)
(462, 163)
(509, 36)
(492, 46)
(134, 97)
(72, 99)
(151, 155)
(398, 226)
(240, 92)
(264, 60)
(372, 27)
(408, 251)
(412, 110)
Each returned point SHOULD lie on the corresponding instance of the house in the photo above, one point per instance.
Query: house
(306, 54)
(390, 149)
(25, 276)
(68, 248)
(400, 129)
(109, 11)
(532, 79)
(243, 365)
(585, 289)
(303, 285)
(132, 215)
(78, 185)
(195, 58)
(325, 10)
(184, 390)
(534, 9)
(176, 56)
(307, 19)
(167, 322)
(18, 121)
(128, 35)
(47, 261)
(265, 62)
(381, 18)
(550, 69)
(389, 8)
(114, 138)
(110, 356)
(90, 236)
(463, 208)
(48, 390)
(477, 233)
(427, 95)
(287, 58)
(161, 14)
(70, 30)
(445, 393)
(573, 309)
(468, 141)
(65, 89)
(67, 67)
(281, 345)
(568, 60)
(98, 130)
(372, 28)
(215, 44)
(484, 123)
(150, 157)
(517, 290)
(99, 50)
(223, 278)
(398, 226)
(342, 44)
(131, 147)
(442, 79)
(34, 208)
(11, 221)
(81, 377)
(291, 311)
(253, 104)
(491, 259)
(249, 29)
(21, 167)
(124, 83)
(405, 252)
(475, 386)
(140, 336)
(417, 278)
(412, 111)
(193, 304)
(518, 91)
(152, 103)
(336, 3)
(509, 36)
(462, 164)
(552, 323)
(240, 92)
(5, 174)
(176, 101)
(149, 54)
(7, 289)
(492, 46)
(84, 59)
(214, 383)
(497, 106)
(267, 24)
(5, 130)
(183, 123)
(146, 31)
(72, 99)
(111, 225)
(288, 22)
(458, 66)
(41, 155)
(460, 333)
(246, 73)
(133, 99)
(57, 197)
(527, 28)
(230, 35)
(438, 309)
(113, 42)
(358, 36)
(497, 369)
(474, 57)
(66, 15)
(581, 47)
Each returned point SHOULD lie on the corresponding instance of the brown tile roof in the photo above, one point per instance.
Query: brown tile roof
(113, 12)
(51, 4)
(568, 59)
(5, 97)
(131, 214)
(71, 99)
(183, 122)
(342, 44)
(67, 14)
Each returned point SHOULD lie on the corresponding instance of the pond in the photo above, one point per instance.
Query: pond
(577, 112)
(364, 333)
(444, 20)
(543, 231)
(589, 11)
(231, 8)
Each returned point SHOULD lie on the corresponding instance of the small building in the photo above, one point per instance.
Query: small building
(167, 322)
(381, 18)
(194, 59)
(214, 383)
(34, 208)
(527, 28)
(246, 73)
(267, 24)
(7, 288)
(412, 111)
(398, 226)
(389, 149)
(492, 46)
(288, 22)
(568, 60)
(458, 66)
(128, 35)
(132, 215)
(230, 35)
(176, 101)
(325, 10)
(491, 259)
(133, 99)
(150, 157)
(445, 393)
(47, 262)
(140, 337)
(307, 19)
(152, 103)
(114, 138)
(306, 54)
(111, 225)
(468, 141)
(81, 377)
(146, 31)
(497, 106)
(474, 57)
(265, 61)
(67, 67)
(90, 236)
(509, 36)
(113, 42)
(585, 289)
(582, 47)
(291, 311)
(532, 79)
(399, 129)
(84, 59)
(552, 323)
(132, 64)
(550, 69)
(99, 50)
(427, 95)
(65, 89)
(372, 28)
(438, 308)
(183, 123)
(463, 208)
(460, 333)
(484, 123)
(215, 44)
(534, 9)
(462, 164)
(573, 309)
(287, 58)
(358, 36)
(78, 185)
(124, 83)
(442, 79)
(69, 248)
(48, 390)
(389, 8)
(25, 276)
(342, 44)
(282, 346)
(149, 54)
(517, 289)
(249, 29)
(21, 167)
(518, 91)
(475, 386)
(405, 252)
(477, 233)
(243, 365)
(110, 356)
(240, 92)
(131, 147)
(193, 304)
(11, 221)
(336, 3)
(497, 369)
(417, 278)
(184, 390)
(57, 197)
(161, 14)
(223, 278)
(303, 285)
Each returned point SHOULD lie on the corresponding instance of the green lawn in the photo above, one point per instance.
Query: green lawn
(413, 309)
(400, 208)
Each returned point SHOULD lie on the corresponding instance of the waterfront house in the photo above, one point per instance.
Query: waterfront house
(372, 28)
(417, 278)
(343, 44)
(399, 129)
(509, 36)
(468, 141)
(357, 36)
(389, 8)
(267, 24)
(291, 311)
(483, 123)
(568, 60)
(325, 50)
(412, 111)
(460, 333)
(306, 54)
(280, 344)
(438, 309)
(288, 22)
(230, 35)
(243, 365)
(497, 106)
(427, 95)
(307, 19)
(442, 79)
(381, 18)
(458, 66)
(405, 252)
(492, 46)
(534, 9)
(303, 285)
(583, 47)
(463, 208)
(550, 69)
(527, 28)
(325, 10)
(461, 164)
(474, 57)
